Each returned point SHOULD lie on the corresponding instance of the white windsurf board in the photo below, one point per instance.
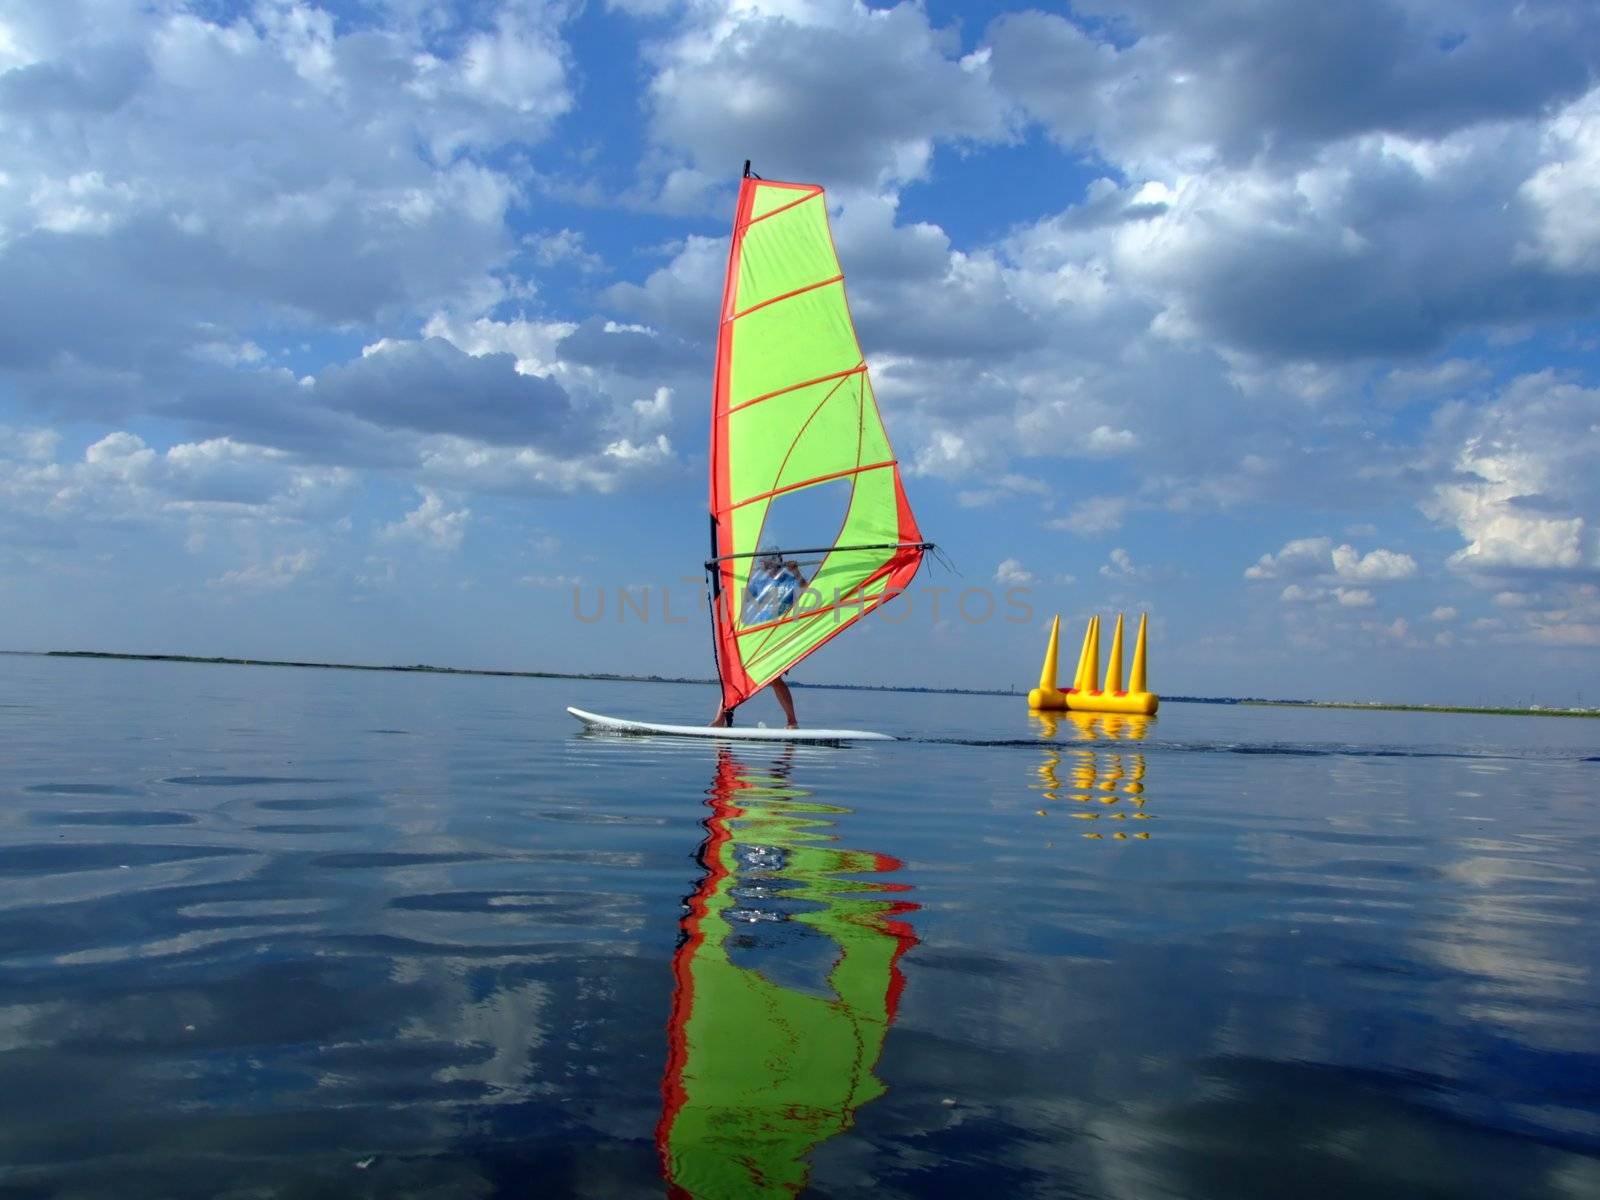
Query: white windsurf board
(741, 733)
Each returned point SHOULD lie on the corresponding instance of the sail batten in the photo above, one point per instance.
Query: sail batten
(794, 387)
(794, 487)
(799, 454)
(789, 295)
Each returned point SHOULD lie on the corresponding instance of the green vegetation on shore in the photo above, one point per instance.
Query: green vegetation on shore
(1364, 706)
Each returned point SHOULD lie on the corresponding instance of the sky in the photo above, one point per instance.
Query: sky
(383, 330)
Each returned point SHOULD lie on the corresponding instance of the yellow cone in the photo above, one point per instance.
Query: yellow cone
(1094, 655)
(1080, 677)
(1136, 681)
(1047, 674)
(1114, 663)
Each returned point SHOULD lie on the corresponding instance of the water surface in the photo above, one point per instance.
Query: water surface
(277, 932)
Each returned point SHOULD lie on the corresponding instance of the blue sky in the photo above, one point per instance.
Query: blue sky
(368, 330)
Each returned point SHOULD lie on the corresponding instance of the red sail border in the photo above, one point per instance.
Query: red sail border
(902, 566)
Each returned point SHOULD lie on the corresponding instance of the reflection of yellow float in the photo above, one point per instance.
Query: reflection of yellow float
(1093, 727)
(1105, 785)
(1086, 694)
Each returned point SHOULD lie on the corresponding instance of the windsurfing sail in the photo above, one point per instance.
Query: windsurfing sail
(794, 413)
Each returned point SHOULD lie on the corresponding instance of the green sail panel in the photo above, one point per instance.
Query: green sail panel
(794, 410)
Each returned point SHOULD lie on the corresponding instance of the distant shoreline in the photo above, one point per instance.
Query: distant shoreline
(1375, 706)
(607, 677)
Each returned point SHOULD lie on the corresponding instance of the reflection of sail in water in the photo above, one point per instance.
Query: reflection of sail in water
(760, 1071)
(1098, 785)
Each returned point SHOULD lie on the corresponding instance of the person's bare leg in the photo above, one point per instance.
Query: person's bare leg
(723, 719)
(780, 689)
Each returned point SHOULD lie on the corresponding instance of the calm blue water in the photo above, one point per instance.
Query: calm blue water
(271, 932)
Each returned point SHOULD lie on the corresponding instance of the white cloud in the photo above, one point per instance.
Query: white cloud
(280, 572)
(1302, 556)
(1343, 597)
(639, 454)
(1565, 192)
(1523, 489)
(657, 410)
(1121, 564)
(532, 343)
(829, 89)
(431, 524)
(1572, 620)
(1190, 87)
(120, 478)
(1098, 514)
(565, 246)
(1318, 557)
(138, 263)
(1011, 573)
(1398, 630)
(1120, 568)
(1105, 441)
(1444, 612)
(1373, 567)
(946, 454)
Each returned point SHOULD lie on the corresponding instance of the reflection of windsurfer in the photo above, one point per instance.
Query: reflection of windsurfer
(774, 588)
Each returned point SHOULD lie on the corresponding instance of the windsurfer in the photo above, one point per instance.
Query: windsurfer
(774, 588)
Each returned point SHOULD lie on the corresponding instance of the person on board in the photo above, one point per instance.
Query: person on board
(774, 588)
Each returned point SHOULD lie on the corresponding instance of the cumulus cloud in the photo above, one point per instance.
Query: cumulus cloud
(1098, 514)
(1343, 597)
(1373, 567)
(280, 572)
(138, 260)
(1216, 82)
(1122, 569)
(1302, 556)
(1397, 630)
(830, 89)
(432, 387)
(1564, 192)
(1522, 489)
(120, 478)
(1318, 557)
(431, 524)
(1011, 573)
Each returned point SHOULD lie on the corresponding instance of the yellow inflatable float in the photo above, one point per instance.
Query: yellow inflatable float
(1086, 694)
